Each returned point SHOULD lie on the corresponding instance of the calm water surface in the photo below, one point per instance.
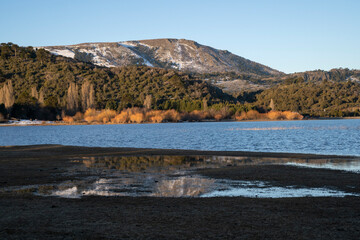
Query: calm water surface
(340, 137)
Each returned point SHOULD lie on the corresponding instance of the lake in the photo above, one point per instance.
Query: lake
(339, 137)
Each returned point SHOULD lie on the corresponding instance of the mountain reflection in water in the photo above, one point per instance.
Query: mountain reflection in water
(183, 187)
(173, 176)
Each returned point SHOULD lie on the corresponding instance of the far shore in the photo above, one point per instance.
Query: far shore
(28, 122)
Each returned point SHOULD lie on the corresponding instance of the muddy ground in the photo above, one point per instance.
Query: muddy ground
(25, 216)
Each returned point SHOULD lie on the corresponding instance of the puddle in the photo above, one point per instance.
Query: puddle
(349, 166)
(174, 176)
(259, 189)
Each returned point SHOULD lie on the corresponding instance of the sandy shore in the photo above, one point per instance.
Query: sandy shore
(25, 216)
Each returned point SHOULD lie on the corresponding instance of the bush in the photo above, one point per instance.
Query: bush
(172, 116)
(292, 115)
(275, 115)
(106, 115)
(68, 119)
(122, 117)
(140, 115)
(90, 115)
(90, 112)
(155, 116)
(137, 117)
(78, 116)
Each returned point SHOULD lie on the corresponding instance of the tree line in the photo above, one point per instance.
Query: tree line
(322, 98)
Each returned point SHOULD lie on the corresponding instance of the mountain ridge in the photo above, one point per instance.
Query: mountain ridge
(169, 53)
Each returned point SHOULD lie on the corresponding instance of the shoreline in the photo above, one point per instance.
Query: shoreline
(68, 151)
(62, 123)
(29, 216)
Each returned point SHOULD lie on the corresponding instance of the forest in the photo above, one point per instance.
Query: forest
(37, 84)
(315, 99)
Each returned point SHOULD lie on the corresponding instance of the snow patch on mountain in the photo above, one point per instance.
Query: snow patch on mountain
(65, 52)
(179, 54)
(132, 46)
(100, 55)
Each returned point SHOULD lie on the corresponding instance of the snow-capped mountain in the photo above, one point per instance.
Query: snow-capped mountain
(179, 54)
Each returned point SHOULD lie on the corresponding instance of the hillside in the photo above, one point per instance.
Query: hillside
(178, 54)
(319, 98)
(38, 84)
(335, 75)
(37, 79)
(236, 84)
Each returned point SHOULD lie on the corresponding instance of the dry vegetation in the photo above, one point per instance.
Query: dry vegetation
(142, 115)
(272, 115)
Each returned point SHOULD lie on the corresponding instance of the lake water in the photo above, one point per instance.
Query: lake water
(339, 137)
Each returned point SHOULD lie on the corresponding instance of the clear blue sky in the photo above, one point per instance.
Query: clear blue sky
(287, 35)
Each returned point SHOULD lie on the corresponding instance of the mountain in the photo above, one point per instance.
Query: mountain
(37, 84)
(179, 54)
(34, 81)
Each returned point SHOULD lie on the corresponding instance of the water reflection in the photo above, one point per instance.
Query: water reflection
(183, 187)
(260, 189)
(349, 166)
(173, 176)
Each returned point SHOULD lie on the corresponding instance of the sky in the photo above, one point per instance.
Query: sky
(287, 35)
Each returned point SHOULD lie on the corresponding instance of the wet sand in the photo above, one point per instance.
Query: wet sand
(25, 216)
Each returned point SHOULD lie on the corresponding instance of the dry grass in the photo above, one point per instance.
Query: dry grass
(141, 115)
